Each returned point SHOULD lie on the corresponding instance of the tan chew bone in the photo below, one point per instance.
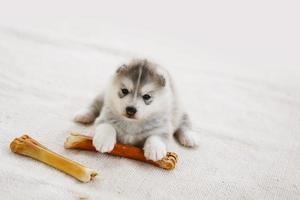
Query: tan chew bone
(78, 141)
(27, 146)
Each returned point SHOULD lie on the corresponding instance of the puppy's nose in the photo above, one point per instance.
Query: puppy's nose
(130, 110)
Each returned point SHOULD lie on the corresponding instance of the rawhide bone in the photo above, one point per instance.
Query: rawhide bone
(82, 142)
(27, 146)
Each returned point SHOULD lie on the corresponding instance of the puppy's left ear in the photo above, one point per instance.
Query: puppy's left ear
(162, 80)
(122, 69)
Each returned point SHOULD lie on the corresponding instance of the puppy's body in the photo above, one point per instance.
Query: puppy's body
(140, 106)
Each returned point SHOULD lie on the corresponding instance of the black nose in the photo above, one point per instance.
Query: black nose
(130, 110)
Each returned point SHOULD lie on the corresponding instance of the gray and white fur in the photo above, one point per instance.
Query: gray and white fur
(139, 107)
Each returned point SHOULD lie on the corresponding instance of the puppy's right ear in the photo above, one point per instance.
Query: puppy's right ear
(122, 69)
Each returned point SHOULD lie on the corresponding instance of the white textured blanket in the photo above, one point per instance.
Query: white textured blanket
(238, 74)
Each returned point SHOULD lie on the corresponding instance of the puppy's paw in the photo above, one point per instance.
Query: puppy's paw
(85, 116)
(154, 149)
(188, 139)
(104, 139)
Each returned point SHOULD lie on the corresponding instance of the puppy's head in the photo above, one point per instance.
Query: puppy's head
(139, 90)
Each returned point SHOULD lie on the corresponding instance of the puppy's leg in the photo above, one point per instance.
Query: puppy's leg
(105, 138)
(155, 147)
(184, 135)
(91, 112)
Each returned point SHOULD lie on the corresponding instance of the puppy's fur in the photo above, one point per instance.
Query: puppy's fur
(139, 107)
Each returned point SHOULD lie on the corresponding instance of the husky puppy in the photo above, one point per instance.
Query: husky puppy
(139, 107)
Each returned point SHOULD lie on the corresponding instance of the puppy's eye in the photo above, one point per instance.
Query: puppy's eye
(125, 91)
(146, 97)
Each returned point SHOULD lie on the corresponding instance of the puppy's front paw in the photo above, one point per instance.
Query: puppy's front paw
(105, 138)
(85, 116)
(155, 149)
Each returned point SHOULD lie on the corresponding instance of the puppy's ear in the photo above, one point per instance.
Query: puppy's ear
(161, 80)
(160, 76)
(122, 69)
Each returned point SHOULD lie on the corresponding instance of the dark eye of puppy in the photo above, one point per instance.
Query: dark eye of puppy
(124, 91)
(146, 97)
